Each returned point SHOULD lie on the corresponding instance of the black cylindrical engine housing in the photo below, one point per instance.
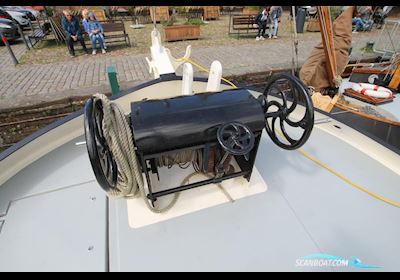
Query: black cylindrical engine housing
(185, 121)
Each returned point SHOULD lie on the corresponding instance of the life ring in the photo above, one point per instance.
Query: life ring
(372, 90)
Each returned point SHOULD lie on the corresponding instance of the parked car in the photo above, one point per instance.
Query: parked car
(30, 13)
(4, 14)
(18, 17)
(9, 30)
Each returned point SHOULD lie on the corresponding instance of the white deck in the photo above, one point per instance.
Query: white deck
(53, 216)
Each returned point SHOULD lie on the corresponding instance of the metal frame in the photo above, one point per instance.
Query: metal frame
(40, 35)
(389, 49)
(246, 168)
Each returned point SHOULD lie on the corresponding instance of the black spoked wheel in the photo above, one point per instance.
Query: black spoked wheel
(292, 93)
(100, 155)
(236, 138)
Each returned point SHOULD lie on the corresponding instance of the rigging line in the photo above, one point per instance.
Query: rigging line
(342, 177)
(205, 69)
(395, 61)
(390, 38)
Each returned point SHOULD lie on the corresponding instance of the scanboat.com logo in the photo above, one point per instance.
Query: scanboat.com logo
(331, 261)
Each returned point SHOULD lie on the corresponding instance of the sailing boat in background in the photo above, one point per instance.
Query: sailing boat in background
(331, 93)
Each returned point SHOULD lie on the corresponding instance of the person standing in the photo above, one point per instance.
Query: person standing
(274, 14)
(72, 32)
(95, 31)
(261, 20)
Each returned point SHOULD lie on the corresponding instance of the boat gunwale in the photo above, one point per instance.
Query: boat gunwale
(163, 78)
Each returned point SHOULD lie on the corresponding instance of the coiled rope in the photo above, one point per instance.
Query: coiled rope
(183, 159)
(117, 133)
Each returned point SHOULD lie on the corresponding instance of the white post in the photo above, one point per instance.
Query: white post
(214, 78)
(187, 81)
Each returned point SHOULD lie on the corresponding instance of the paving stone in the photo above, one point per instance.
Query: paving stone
(28, 84)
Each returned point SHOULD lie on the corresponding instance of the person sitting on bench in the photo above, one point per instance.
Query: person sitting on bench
(85, 20)
(262, 20)
(95, 31)
(362, 21)
(72, 32)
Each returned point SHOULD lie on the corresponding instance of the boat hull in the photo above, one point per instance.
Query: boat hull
(54, 216)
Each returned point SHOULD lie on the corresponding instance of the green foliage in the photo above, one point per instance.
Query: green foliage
(169, 22)
(181, 10)
(194, 21)
(49, 11)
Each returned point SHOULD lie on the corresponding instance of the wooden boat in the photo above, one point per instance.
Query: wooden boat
(372, 116)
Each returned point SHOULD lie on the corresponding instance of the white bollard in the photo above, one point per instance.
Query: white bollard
(214, 78)
(187, 80)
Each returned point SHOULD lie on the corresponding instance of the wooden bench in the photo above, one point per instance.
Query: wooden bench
(114, 31)
(242, 25)
(39, 34)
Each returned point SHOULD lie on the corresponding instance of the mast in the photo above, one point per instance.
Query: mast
(295, 65)
(325, 24)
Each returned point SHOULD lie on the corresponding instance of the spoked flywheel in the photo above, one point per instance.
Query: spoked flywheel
(292, 93)
(101, 158)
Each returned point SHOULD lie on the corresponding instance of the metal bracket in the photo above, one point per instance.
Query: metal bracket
(219, 168)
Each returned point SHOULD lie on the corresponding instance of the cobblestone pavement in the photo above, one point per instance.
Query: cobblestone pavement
(32, 84)
(18, 49)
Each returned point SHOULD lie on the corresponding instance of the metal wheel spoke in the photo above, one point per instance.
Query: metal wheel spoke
(287, 137)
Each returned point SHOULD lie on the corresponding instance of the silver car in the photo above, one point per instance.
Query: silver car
(20, 18)
(9, 30)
